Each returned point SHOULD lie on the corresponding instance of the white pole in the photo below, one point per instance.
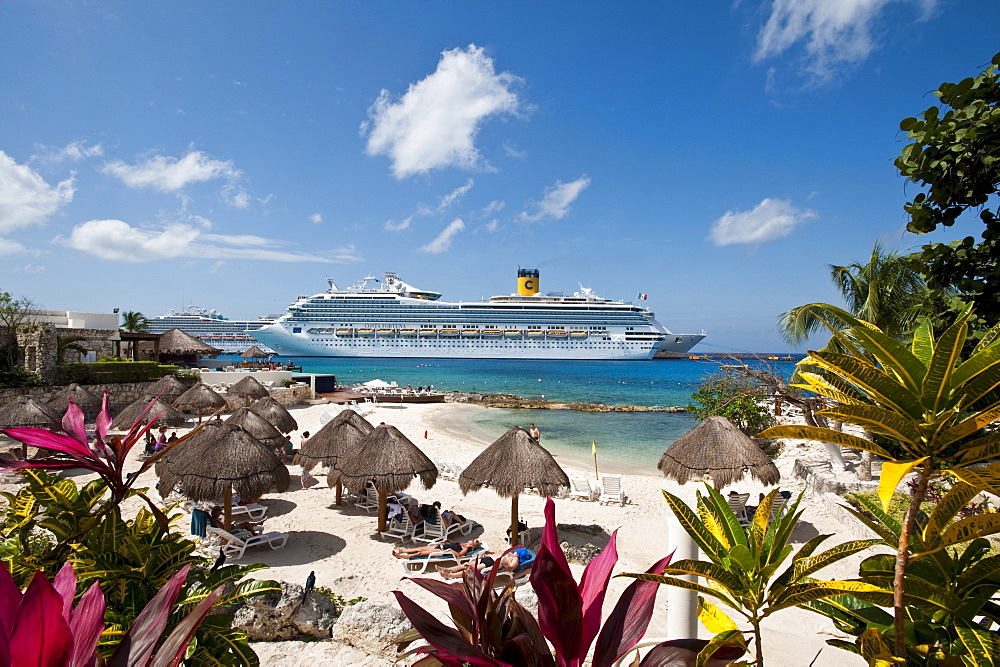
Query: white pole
(682, 604)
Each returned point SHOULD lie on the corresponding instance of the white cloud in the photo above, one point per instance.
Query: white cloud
(316, 218)
(25, 197)
(555, 203)
(8, 247)
(491, 226)
(118, 241)
(236, 197)
(770, 219)
(74, 152)
(393, 226)
(434, 124)
(494, 206)
(169, 174)
(443, 240)
(833, 32)
(455, 195)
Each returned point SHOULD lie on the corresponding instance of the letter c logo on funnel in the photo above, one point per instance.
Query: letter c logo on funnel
(529, 284)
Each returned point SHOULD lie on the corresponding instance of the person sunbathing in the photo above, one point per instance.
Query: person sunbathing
(438, 549)
(508, 563)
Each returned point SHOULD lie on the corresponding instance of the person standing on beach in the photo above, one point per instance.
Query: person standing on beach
(533, 432)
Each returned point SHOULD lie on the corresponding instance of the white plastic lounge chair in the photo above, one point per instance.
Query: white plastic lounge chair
(368, 501)
(520, 576)
(738, 503)
(444, 558)
(580, 489)
(254, 511)
(611, 490)
(435, 529)
(402, 530)
(778, 506)
(235, 545)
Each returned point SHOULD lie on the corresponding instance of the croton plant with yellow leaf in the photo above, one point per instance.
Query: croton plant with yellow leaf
(934, 407)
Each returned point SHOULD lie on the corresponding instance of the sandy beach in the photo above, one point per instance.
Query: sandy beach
(340, 543)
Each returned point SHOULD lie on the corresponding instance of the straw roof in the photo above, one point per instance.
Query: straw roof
(341, 436)
(206, 465)
(249, 386)
(270, 409)
(390, 459)
(88, 401)
(717, 449)
(254, 352)
(26, 411)
(130, 414)
(176, 342)
(199, 397)
(167, 387)
(515, 461)
(257, 426)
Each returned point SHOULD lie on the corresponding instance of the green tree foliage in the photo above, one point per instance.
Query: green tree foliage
(66, 344)
(134, 322)
(932, 404)
(955, 157)
(735, 397)
(741, 564)
(17, 315)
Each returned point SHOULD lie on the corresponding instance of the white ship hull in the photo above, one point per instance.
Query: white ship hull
(230, 336)
(397, 320)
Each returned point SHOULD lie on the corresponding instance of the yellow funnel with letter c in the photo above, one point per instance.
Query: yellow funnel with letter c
(527, 282)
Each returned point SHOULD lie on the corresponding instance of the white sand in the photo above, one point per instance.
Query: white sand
(340, 543)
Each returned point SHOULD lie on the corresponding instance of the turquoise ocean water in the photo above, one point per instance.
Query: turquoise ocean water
(627, 442)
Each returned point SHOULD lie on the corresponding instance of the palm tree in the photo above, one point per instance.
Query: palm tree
(66, 344)
(133, 321)
(886, 292)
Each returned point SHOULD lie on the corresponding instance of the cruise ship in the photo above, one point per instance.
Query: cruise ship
(389, 318)
(230, 336)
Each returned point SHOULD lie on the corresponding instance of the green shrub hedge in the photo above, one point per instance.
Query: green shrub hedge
(110, 372)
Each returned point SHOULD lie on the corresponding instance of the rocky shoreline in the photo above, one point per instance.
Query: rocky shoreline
(514, 401)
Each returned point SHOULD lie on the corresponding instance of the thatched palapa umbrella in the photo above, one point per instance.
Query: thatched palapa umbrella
(254, 352)
(221, 459)
(390, 461)
(199, 397)
(249, 388)
(167, 387)
(716, 448)
(514, 462)
(341, 437)
(130, 414)
(258, 427)
(270, 409)
(26, 411)
(88, 401)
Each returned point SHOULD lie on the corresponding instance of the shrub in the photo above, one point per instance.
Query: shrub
(110, 372)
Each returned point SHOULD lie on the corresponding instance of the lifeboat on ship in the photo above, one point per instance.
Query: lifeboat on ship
(470, 333)
(535, 334)
(556, 333)
(492, 333)
(408, 332)
(577, 334)
(365, 332)
(385, 333)
(451, 333)
(512, 333)
(345, 332)
(428, 332)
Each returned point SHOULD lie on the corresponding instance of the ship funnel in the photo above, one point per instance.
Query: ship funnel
(527, 282)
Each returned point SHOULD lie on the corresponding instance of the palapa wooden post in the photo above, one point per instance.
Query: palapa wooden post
(229, 508)
(593, 450)
(339, 488)
(513, 521)
(382, 496)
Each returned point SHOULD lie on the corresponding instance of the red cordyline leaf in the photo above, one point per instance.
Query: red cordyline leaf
(628, 621)
(593, 585)
(46, 439)
(40, 635)
(10, 599)
(87, 623)
(73, 424)
(560, 606)
(140, 640)
(65, 585)
(454, 594)
(446, 640)
(175, 645)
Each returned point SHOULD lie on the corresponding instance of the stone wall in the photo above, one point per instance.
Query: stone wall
(119, 395)
(39, 348)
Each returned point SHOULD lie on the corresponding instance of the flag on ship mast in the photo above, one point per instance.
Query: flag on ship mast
(642, 297)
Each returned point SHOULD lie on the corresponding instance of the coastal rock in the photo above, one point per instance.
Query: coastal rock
(280, 616)
(315, 654)
(513, 401)
(527, 598)
(371, 627)
(582, 555)
(588, 529)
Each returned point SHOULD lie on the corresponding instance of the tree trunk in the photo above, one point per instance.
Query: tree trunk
(865, 469)
(903, 558)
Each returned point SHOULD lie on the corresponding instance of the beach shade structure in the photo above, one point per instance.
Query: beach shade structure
(131, 412)
(274, 412)
(390, 461)
(216, 461)
(716, 448)
(167, 387)
(26, 411)
(199, 397)
(176, 345)
(258, 427)
(514, 462)
(249, 388)
(254, 352)
(341, 437)
(88, 401)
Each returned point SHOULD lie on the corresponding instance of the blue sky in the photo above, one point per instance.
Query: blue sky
(716, 156)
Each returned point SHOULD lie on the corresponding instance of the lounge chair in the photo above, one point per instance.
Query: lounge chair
(520, 576)
(435, 529)
(235, 545)
(368, 501)
(444, 558)
(611, 490)
(778, 506)
(403, 529)
(738, 503)
(254, 511)
(580, 489)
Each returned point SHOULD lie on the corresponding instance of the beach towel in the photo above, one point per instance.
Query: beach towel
(199, 522)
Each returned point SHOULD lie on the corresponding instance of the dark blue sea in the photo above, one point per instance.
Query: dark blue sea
(635, 440)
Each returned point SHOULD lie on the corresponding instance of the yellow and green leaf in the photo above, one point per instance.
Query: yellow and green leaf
(984, 479)
(969, 528)
(945, 510)
(937, 382)
(824, 435)
(877, 420)
(714, 619)
(892, 472)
